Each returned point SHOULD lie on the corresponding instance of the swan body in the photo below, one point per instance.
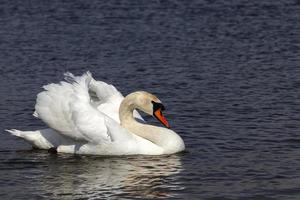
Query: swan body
(86, 116)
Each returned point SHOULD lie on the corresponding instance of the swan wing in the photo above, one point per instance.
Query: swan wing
(66, 107)
(107, 99)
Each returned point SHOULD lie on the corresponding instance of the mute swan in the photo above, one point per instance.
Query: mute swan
(86, 116)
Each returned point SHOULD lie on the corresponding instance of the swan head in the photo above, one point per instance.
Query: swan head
(157, 113)
(151, 105)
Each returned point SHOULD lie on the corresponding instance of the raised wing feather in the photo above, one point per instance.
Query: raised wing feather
(107, 99)
(67, 108)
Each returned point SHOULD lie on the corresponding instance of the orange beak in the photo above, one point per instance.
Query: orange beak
(158, 115)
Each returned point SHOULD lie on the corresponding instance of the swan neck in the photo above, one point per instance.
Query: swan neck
(126, 111)
(127, 107)
(168, 140)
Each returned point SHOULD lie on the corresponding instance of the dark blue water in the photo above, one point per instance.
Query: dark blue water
(227, 71)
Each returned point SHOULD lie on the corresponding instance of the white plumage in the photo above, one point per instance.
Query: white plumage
(83, 117)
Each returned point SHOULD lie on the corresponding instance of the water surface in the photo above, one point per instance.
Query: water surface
(227, 71)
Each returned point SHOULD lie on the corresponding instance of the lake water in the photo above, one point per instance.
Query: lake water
(228, 73)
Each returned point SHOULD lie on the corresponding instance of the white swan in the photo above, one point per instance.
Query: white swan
(86, 116)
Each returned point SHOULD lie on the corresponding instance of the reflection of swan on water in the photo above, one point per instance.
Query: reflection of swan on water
(86, 116)
(87, 177)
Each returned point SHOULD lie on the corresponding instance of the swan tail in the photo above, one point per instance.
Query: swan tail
(32, 137)
(15, 132)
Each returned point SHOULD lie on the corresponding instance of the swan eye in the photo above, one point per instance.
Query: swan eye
(157, 106)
